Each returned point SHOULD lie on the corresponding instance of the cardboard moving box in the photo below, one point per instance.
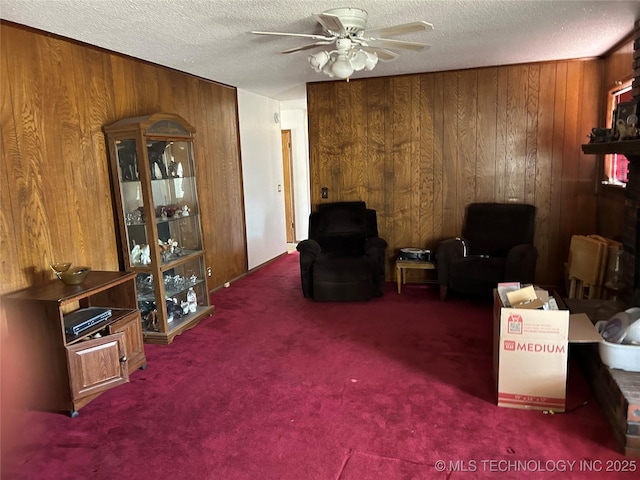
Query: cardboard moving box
(530, 354)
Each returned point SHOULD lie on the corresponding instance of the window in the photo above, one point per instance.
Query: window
(616, 166)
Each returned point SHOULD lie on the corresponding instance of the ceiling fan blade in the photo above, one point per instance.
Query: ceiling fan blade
(304, 35)
(306, 47)
(389, 43)
(383, 54)
(331, 23)
(398, 29)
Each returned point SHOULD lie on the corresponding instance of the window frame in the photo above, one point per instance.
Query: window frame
(615, 162)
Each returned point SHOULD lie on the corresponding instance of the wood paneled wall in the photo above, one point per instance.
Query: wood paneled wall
(419, 148)
(618, 65)
(56, 191)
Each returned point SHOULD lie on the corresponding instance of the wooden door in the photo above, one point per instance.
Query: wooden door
(288, 186)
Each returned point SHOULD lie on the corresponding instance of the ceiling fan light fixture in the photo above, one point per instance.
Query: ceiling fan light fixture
(319, 60)
(361, 59)
(372, 60)
(358, 59)
(342, 68)
(327, 69)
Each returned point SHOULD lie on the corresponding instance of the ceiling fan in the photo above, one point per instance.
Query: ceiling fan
(356, 48)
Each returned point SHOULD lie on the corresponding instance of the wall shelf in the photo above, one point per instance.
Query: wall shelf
(624, 147)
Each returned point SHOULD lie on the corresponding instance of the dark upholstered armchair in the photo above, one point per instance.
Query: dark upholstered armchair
(496, 246)
(343, 259)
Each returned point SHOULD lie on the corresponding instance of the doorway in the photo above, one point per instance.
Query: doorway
(287, 168)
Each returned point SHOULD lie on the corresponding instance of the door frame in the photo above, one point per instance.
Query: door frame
(287, 168)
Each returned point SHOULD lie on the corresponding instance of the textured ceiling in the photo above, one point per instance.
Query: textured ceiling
(210, 39)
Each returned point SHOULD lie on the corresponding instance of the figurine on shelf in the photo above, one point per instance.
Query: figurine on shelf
(145, 255)
(192, 299)
(185, 211)
(161, 212)
(170, 210)
(626, 131)
(128, 160)
(174, 282)
(156, 160)
(185, 307)
(600, 135)
(168, 249)
(142, 214)
(152, 321)
(169, 246)
(174, 311)
(172, 169)
(134, 217)
(144, 285)
(175, 169)
(135, 254)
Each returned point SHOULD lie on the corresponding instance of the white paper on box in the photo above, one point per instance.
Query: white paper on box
(533, 348)
(522, 295)
(504, 288)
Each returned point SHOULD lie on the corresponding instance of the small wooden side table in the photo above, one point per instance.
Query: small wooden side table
(402, 265)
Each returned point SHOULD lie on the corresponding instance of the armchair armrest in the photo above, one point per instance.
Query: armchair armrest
(308, 247)
(374, 244)
(375, 250)
(449, 250)
(309, 251)
(521, 264)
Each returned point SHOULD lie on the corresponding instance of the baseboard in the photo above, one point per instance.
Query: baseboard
(248, 272)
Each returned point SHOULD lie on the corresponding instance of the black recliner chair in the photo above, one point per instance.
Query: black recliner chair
(496, 246)
(343, 259)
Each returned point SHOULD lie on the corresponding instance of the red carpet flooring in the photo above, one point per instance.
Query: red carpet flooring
(274, 386)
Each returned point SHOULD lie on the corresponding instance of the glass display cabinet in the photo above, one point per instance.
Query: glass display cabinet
(154, 179)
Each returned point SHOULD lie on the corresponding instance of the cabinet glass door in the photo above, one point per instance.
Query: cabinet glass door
(132, 202)
(173, 187)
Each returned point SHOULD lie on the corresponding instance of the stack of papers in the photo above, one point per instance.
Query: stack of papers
(514, 296)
